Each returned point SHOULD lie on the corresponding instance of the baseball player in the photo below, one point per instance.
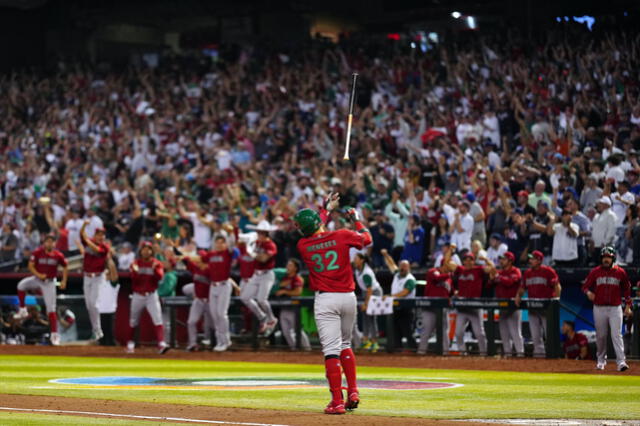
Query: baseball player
(439, 284)
(218, 263)
(96, 252)
(255, 294)
(576, 345)
(369, 285)
(606, 286)
(469, 279)
(146, 273)
(507, 283)
(402, 286)
(199, 290)
(246, 267)
(326, 254)
(291, 286)
(43, 264)
(540, 282)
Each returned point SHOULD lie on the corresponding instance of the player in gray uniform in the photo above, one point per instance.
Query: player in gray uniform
(369, 285)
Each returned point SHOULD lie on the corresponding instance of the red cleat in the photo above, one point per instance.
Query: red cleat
(352, 401)
(335, 407)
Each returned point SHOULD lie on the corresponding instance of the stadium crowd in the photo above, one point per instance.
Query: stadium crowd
(467, 142)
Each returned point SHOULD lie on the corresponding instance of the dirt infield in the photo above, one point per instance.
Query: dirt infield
(228, 415)
(408, 360)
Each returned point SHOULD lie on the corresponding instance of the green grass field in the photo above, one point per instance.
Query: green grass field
(484, 394)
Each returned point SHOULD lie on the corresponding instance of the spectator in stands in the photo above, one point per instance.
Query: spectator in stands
(539, 195)
(413, 250)
(125, 256)
(383, 235)
(539, 238)
(591, 193)
(565, 240)
(496, 248)
(462, 226)
(477, 213)
(584, 226)
(8, 244)
(621, 201)
(576, 345)
(603, 227)
(398, 215)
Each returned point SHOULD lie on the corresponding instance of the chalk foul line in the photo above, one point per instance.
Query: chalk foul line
(132, 416)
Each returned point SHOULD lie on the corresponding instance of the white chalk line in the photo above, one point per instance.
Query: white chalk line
(132, 416)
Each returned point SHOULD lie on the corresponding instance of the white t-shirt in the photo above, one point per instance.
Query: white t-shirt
(125, 260)
(494, 254)
(94, 223)
(201, 231)
(73, 226)
(565, 247)
(438, 262)
(620, 208)
(616, 172)
(463, 239)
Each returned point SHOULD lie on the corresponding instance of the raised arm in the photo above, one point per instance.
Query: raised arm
(391, 264)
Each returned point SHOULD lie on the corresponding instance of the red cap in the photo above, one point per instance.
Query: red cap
(146, 244)
(537, 254)
(523, 193)
(100, 230)
(202, 253)
(469, 254)
(509, 255)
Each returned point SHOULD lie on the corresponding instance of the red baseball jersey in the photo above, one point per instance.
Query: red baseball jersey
(507, 283)
(246, 263)
(268, 247)
(326, 254)
(610, 285)
(47, 262)
(291, 283)
(439, 284)
(540, 282)
(469, 282)
(219, 264)
(149, 274)
(95, 261)
(572, 346)
(200, 276)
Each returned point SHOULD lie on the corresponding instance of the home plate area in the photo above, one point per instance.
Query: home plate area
(235, 383)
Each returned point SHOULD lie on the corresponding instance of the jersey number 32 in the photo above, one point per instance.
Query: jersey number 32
(331, 256)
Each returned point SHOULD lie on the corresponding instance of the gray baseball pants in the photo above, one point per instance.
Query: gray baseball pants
(606, 317)
(288, 326)
(335, 314)
(429, 318)
(255, 295)
(473, 317)
(538, 327)
(510, 326)
(219, 299)
(150, 301)
(47, 287)
(91, 284)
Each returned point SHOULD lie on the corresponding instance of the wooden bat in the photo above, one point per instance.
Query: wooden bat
(352, 97)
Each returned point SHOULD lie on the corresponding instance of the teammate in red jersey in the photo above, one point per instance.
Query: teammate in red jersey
(439, 284)
(326, 254)
(469, 279)
(606, 286)
(43, 264)
(146, 273)
(96, 252)
(540, 282)
(577, 345)
(507, 282)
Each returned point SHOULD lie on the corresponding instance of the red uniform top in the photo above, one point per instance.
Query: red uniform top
(439, 284)
(326, 254)
(540, 282)
(95, 261)
(246, 263)
(201, 283)
(291, 283)
(470, 281)
(610, 285)
(219, 264)
(268, 247)
(572, 346)
(47, 263)
(149, 274)
(507, 283)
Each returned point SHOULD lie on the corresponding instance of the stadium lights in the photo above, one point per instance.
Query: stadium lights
(456, 15)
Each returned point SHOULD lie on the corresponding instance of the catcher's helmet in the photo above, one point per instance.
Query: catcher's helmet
(608, 251)
(308, 221)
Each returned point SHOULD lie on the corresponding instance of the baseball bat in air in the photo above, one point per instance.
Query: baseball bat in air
(352, 97)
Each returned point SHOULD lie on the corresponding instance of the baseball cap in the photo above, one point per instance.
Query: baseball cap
(468, 254)
(537, 254)
(471, 196)
(497, 236)
(523, 193)
(508, 255)
(102, 230)
(146, 244)
(605, 200)
(543, 204)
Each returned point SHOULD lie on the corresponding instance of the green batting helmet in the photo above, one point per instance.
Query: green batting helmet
(308, 221)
